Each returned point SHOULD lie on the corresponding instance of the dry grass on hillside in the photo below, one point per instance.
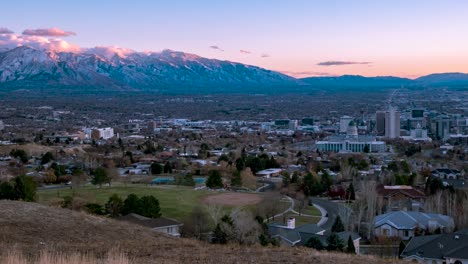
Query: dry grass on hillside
(35, 229)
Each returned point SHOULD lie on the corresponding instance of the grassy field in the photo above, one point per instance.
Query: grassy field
(176, 202)
(311, 210)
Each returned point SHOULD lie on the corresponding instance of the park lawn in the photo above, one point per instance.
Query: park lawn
(311, 210)
(176, 202)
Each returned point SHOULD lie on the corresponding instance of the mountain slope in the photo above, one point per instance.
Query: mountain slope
(31, 228)
(357, 81)
(444, 79)
(25, 66)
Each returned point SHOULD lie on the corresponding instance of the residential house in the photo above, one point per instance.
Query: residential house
(161, 224)
(444, 173)
(268, 173)
(438, 249)
(405, 224)
(401, 197)
(291, 235)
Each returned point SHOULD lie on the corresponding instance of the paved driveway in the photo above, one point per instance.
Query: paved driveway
(333, 209)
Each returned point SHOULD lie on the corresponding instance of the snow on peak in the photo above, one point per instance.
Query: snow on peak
(109, 52)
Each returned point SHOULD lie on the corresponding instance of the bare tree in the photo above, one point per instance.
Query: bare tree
(246, 228)
(215, 211)
(248, 179)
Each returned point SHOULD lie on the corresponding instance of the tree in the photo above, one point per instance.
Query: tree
(219, 236)
(350, 248)
(214, 180)
(19, 154)
(401, 248)
(246, 228)
(150, 207)
(46, 158)
(132, 204)
(338, 225)
(114, 205)
(94, 208)
(156, 168)
(236, 179)
(49, 177)
(186, 180)
(196, 224)
(167, 167)
(25, 188)
(350, 193)
(366, 149)
(7, 191)
(100, 176)
(314, 242)
(248, 179)
(334, 242)
(326, 180)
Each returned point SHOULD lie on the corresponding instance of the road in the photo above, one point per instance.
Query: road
(333, 209)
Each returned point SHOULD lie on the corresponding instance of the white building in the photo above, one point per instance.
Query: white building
(347, 143)
(102, 133)
(392, 124)
(344, 123)
(417, 134)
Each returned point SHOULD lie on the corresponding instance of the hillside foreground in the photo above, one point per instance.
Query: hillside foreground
(32, 229)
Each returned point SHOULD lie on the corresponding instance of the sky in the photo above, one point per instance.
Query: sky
(299, 38)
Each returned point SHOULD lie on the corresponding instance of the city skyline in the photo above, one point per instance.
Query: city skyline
(298, 38)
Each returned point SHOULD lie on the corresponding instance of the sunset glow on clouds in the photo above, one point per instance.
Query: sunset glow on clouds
(35, 39)
(297, 37)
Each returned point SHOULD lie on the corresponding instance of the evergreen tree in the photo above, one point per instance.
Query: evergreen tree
(350, 248)
(214, 180)
(46, 158)
(167, 167)
(132, 204)
(100, 176)
(338, 225)
(314, 242)
(236, 179)
(401, 248)
(25, 188)
(334, 242)
(326, 180)
(156, 168)
(219, 236)
(350, 193)
(150, 206)
(114, 205)
(7, 191)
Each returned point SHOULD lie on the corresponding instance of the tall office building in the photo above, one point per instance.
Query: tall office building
(392, 124)
(344, 123)
(380, 123)
(442, 128)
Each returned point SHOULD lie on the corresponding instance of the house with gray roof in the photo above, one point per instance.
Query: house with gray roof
(442, 248)
(161, 224)
(404, 224)
(445, 173)
(291, 235)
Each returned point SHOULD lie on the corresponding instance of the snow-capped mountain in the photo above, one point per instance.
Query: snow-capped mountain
(103, 67)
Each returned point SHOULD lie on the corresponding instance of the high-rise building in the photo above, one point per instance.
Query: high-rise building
(344, 123)
(442, 127)
(380, 123)
(102, 133)
(392, 124)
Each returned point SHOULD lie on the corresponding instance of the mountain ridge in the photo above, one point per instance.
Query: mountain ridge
(122, 69)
